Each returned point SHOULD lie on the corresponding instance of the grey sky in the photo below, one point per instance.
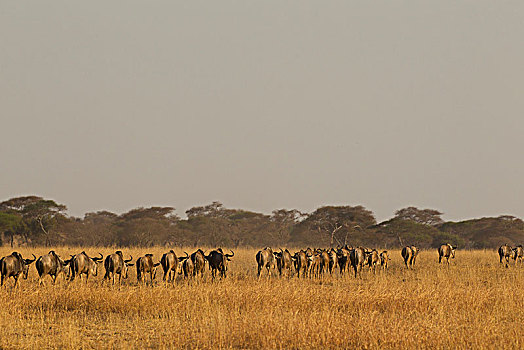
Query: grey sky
(264, 105)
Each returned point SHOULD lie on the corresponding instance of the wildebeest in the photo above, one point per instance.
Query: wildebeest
(505, 253)
(13, 265)
(324, 261)
(301, 263)
(446, 251)
(314, 264)
(169, 262)
(409, 254)
(518, 254)
(199, 262)
(115, 264)
(218, 262)
(384, 258)
(343, 259)
(83, 264)
(144, 265)
(265, 259)
(284, 261)
(373, 260)
(51, 264)
(188, 267)
(357, 258)
(333, 260)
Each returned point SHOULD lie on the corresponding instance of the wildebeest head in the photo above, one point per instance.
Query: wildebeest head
(65, 267)
(25, 265)
(452, 250)
(62, 266)
(126, 263)
(92, 267)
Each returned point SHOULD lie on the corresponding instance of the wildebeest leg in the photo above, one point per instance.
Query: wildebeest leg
(54, 279)
(439, 259)
(16, 280)
(259, 269)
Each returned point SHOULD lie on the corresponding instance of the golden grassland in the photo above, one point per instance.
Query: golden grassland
(473, 303)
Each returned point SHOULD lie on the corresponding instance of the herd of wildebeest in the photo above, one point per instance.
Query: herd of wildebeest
(312, 263)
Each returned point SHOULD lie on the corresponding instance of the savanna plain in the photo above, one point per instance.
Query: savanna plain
(473, 303)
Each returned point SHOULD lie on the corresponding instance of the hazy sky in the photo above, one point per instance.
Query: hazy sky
(264, 104)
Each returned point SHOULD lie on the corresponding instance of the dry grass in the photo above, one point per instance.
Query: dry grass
(475, 303)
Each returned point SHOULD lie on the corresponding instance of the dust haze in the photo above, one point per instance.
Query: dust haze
(264, 105)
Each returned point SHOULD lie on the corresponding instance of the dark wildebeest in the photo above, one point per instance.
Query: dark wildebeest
(518, 254)
(344, 260)
(409, 254)
(333, 260)
(115, 264)
(51, 264)
(187, 266)
(13, 265)
(314, 264)
(265, 259)
(384, 258)
(169, 262)
(357, 258)
(284, 261)
(373, 260)
(505, 253)
(199, 262)
(218, 262)
(446, 251)
(144, 265)
(83, 264)
(300, 261)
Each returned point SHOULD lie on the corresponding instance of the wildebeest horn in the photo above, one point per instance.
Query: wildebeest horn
(156, 264)
(129, 260)
(29, 261)
(182, 258)
(98, 259)
(230, 255)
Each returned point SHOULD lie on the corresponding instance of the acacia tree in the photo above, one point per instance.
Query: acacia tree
(284, 220)
(430, 217)
(217, 225)
(146, 226)
(331, 220)
(9, 224)
(37, 213)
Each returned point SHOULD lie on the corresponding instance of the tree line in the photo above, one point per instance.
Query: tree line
(33, 220)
